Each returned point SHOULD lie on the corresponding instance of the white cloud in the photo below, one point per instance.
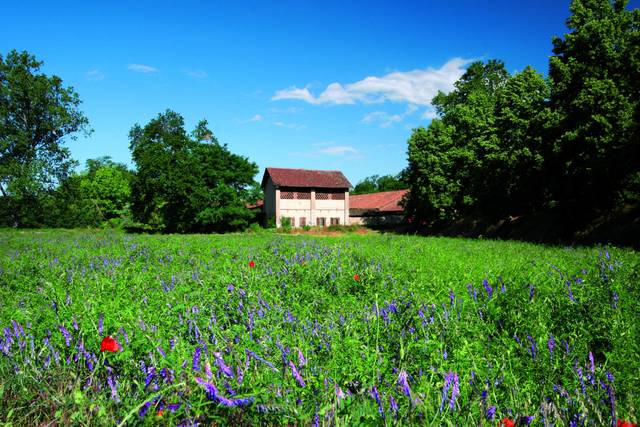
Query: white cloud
(141, 68)
(197, 74)
(430, 114)
(295, 93)
(329, 148)
(95, 75)
(282, 124)
(416, 87)
(339, 150)
(256, 118)
(386, 119)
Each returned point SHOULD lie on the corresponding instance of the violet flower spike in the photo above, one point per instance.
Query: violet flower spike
(195, 364)
(403, 383)
(296, 374)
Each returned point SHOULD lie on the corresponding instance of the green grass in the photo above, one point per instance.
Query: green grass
(420, 307)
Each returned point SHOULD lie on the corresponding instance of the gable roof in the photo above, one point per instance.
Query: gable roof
(306, 178)
(383, 202)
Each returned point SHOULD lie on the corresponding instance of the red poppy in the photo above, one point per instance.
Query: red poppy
(252, 264)
(506, 422)
(356, 277)
(109, 344)
(160, 413)
(623, 423)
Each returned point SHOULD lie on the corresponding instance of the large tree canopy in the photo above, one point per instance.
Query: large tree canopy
(188, 182)
(37, 113)
(595, 76)
(511, 145)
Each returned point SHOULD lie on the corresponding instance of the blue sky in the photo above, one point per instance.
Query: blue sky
(324, 85)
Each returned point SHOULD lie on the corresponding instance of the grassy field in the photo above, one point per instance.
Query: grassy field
(266, 329)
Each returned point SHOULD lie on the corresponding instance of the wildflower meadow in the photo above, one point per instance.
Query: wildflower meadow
(106, 328)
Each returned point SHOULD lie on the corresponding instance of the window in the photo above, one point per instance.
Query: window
(321, 222)
(335, 221)
(327, 195)
(303, 221)
(293, 221)
(291, 195)
(287, 221)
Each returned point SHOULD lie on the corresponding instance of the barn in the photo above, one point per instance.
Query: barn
(305, 197)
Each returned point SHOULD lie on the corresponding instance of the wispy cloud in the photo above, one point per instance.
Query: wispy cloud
(385, 119)
(197, 74)
(416, 87)
(256, 118)
(282, 124)
(95, 75)
(339, 150)
(141, 68)
(329, 148)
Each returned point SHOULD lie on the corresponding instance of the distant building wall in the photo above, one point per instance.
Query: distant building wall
(378, 220)
(269, 207)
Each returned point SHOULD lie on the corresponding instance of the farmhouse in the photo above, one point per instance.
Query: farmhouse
(377, 209)
(306, 197)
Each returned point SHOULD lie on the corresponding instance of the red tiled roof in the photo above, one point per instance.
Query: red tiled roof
(258, 204)
(385, 201)
(305, 178)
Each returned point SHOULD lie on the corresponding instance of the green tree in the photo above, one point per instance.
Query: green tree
(518, 181)
(187, 182)
(37, 114)
(376, 183)
(447, 168)
(595, 94)
(107, 186)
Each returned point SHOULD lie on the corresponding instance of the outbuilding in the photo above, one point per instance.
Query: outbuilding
(305, 197)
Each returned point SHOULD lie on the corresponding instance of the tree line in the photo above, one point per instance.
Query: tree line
(182, 182)
(502, 145)
(517, 144)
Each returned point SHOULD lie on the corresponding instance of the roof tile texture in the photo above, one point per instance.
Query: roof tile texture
(385, 201)
(306, 178)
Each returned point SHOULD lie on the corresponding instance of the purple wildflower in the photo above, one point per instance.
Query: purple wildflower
(393, 405)
(448, 378)
(260, 359)
(174, 407)
(296, 374)
(207, 369)
(224, 368)
(161, 351)
(65, 333)
(376, 396)
(100, 323)
(124, 335)
(487, 288)
(451, 296)
(592, 366)
(301, 360)
(339, 393)
(532, 291)
(403, 383)
(491, 411)
(581, 378)
(526, 419)
(455, 392)
(195, 364)
(533, 347)
(143, 410)
(214, 395)
(551, 343)
(111, 381)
